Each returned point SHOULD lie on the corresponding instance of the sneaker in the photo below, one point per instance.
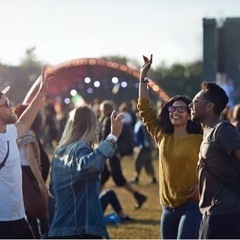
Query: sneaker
(140, 198)
(126, 218)
(112, 218)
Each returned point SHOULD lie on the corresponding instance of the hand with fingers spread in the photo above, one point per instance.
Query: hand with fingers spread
(116, 123)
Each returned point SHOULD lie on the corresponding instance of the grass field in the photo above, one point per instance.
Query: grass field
(147, 219)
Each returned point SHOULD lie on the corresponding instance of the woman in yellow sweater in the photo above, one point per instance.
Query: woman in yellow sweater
(178, 140)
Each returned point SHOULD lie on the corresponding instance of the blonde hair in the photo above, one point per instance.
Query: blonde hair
(236, 113)
(82, 125)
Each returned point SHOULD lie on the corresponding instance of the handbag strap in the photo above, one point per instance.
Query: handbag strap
(5, 159)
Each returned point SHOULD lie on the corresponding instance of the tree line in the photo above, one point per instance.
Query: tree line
(179, 78)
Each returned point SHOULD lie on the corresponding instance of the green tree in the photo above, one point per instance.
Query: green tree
(30, 58)
(179, 78)
(115, 58)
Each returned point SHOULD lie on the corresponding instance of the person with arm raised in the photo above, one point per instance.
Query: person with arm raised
(12, 213)
(178, 139)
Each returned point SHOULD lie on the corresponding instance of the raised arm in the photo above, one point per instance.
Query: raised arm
(143, 92)
(28, 116)
(116, 123)
(146, 110)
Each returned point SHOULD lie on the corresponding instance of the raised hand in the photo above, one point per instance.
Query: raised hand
(116, 123)
(45, 77)
(146, 66)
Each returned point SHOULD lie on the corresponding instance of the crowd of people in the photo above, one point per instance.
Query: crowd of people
(198, 152)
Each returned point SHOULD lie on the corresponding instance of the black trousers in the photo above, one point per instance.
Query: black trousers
(83, 236)
(109, 197)
(220, 226)
(115, 171)
(18, 229)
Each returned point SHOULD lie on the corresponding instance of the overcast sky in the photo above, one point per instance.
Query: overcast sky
(67, 29)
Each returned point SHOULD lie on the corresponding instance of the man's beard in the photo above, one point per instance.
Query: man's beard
(195, 118)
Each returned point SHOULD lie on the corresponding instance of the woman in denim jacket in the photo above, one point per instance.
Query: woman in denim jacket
(75, 176)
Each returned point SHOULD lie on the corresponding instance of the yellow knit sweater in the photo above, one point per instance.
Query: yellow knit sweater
(178, 159)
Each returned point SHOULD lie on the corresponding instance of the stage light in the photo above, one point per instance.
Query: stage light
(96, 84)
(114, 80)
(90, 90)
(87, 80)
(73, 92)
(124, 84)
(67, 100)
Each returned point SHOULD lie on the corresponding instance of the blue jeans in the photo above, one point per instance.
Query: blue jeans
(182, 222)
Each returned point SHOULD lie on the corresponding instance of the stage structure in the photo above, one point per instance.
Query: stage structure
(94, 77)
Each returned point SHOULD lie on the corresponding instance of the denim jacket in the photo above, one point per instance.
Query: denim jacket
(75, 182)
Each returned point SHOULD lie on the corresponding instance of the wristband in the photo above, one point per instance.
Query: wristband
(112, 137)
(144, 80)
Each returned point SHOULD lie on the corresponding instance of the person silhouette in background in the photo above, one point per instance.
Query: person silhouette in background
(144, 149)
(31, 166)
(50, 130)
(236, 116)
(109, 197)
(115, 169)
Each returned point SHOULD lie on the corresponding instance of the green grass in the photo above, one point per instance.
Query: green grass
(147, 219)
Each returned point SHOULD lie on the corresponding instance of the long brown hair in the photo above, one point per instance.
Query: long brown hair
(165, 123)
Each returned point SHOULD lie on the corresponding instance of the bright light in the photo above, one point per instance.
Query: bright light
(96, 84)
(67, 100)
(124, 84)
(73, 92)
(114, 80)
(90, 90)
(87, 80)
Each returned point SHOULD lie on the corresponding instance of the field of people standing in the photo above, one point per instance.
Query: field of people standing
(147, 219)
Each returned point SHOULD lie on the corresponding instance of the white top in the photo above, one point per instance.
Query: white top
(23, 156)
(11, 197)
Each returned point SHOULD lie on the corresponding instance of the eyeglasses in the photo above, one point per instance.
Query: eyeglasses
(180, 109)
(6, 104)
(196, 101)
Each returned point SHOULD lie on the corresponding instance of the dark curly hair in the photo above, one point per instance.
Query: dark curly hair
(215, 94)
(165, 123)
